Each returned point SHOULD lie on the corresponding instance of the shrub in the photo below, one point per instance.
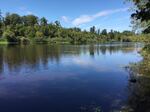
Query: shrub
(24, 40)
(10, 36)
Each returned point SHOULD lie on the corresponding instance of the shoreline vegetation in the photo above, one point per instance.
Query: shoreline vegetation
(16, 29)
(139, 82)
(139, 100)
(141, 21)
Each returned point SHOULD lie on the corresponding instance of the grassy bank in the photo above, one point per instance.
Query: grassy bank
(3, 41)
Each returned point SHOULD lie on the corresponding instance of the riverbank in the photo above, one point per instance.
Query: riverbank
(144, 38)
(139, 82)
(3, 41)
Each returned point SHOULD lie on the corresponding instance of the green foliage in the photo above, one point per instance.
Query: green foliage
(12, 19)
(57, 23)
(29, 28)
(104, 32)
(93, 29)
(43, 21)
(10, 36)
(30, 20)
(23, 40)
(39, 34)
(141, 16)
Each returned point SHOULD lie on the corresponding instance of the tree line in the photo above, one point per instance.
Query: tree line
(30, 28)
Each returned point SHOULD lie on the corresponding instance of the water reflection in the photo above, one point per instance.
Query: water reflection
(66, 78)
(34, 56)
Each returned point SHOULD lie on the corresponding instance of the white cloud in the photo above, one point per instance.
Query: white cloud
(25, 10)
(65, 19)
(88, 18)
(89, 64)
(22, 8)
(29, 12)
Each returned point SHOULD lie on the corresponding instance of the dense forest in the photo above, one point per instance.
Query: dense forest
(30, 28)
(25, 29)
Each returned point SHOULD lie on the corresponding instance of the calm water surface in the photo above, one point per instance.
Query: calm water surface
(65, 78)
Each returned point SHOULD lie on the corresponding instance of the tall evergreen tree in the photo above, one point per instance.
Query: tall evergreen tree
(43, 21)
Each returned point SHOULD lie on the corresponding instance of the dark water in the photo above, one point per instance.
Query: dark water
(65, 78)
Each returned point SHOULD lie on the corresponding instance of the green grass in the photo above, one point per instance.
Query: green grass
(3, 42)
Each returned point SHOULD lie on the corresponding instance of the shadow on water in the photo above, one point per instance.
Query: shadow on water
(66, 78)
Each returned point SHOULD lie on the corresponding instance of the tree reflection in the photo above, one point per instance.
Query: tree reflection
(16, 57)
(1, 60)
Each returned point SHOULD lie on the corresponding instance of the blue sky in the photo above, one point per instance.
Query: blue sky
(109, 14)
